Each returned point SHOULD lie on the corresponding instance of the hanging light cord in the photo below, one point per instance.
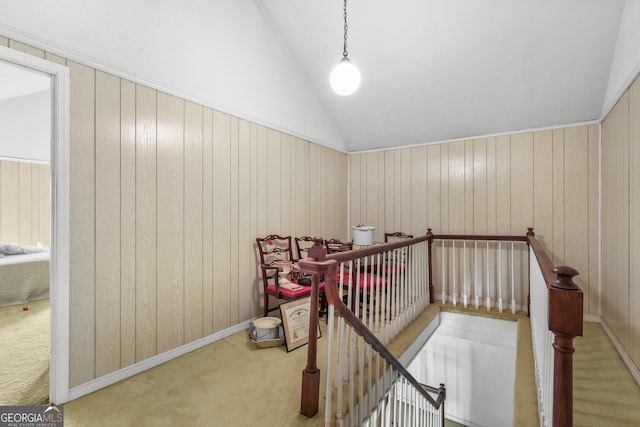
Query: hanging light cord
(344, 52)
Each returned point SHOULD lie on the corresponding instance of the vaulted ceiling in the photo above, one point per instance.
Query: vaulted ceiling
(432, 70)
(435, 70)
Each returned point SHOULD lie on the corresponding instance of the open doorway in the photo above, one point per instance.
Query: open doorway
(25, 235)
(56, 76)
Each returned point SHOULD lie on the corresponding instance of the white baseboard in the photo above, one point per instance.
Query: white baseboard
(617, 344)
(144, 365)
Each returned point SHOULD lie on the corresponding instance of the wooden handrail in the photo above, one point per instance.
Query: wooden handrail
(565, 322)
(484, 238)
(319, 263)
(478, 238)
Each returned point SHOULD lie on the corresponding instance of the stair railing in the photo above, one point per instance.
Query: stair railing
(375, 292)
(488, 271)
(556, 312)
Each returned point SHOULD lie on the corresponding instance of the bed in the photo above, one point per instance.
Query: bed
(24, 277)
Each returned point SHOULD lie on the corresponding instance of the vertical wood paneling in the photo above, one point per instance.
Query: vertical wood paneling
(434, 190)
(107, 194)
(24, 202)
(222, 310)
(404, 172)
(594, 220)
(497, 185)
(166, 200)
(543, 185)
(492, 187)
(170, 226)
(26, 48)
(576, 203)
(146, 220)
(355, 190)
(615, 219)
(44, 204)
(469, 206)
(634, 225)
(301, 187)
(247, 302)
(234, 252)
(207, 221)
(389, 189)
(274, 164)
(419, 192)
(82, 246)
(9, 201)
(444, 185)
(261, 181)
(557, 241)
(34, 194)
(254, 208)
(127, 223)
(503, 184)
(521, 198)
(25, 208)
(372, 191)
(193, 222)
(479, 190)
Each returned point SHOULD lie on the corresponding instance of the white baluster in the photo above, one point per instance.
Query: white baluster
(499, 278)
(464, 273)
(476, 279)
(455, 276)
(488, 291)
(513, 282)
(444, 277)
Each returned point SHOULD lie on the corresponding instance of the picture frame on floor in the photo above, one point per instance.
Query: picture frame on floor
(295, 322)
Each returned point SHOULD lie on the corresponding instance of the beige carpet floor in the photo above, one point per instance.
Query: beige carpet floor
(234, 383)
(24, 354)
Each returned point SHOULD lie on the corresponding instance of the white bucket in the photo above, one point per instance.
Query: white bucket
(265, 328)
(363, 236)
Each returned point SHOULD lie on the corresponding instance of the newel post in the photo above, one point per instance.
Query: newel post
(311, 374)
(530, 233)
(430, 261)
(565, 321)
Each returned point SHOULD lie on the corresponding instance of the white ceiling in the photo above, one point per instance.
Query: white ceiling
(436, 70)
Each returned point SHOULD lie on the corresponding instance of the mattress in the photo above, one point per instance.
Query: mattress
(24, 278)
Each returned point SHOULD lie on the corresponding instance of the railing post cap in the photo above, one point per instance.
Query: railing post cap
(317, 251)
(565, 278)
(530, 231)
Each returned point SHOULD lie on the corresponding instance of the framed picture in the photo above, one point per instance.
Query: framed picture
(295, 322)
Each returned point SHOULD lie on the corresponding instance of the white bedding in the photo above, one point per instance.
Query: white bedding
(24, 278)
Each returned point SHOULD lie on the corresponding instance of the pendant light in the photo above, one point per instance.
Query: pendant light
(345, 77)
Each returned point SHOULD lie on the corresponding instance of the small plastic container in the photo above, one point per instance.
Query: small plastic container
(363, 236)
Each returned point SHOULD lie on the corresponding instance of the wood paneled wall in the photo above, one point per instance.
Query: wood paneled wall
(499, 185)
(621, 220)
(166, 200)
(25, 203)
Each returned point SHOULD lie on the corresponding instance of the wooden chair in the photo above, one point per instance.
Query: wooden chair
(389, 269)
(396, 235)
(303, 244)
(336, 245)
(361, 278)
(275, 250)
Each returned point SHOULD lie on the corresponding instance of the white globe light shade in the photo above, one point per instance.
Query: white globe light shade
(345, 77)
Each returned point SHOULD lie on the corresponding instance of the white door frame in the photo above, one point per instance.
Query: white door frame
(59, 160)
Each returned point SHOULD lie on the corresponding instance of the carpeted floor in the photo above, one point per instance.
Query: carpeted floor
(234, 383)
(24, 352)
(604, 392)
